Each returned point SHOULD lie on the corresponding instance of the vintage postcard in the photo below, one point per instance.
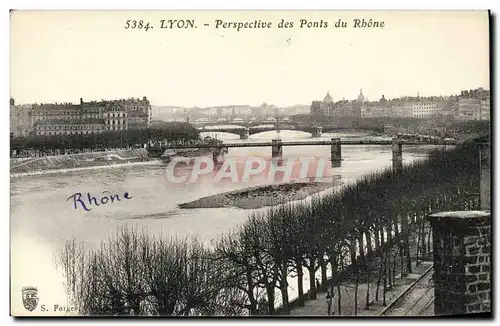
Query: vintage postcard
(250, 163)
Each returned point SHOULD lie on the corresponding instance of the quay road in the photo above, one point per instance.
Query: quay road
(416, 300)
(311, 143)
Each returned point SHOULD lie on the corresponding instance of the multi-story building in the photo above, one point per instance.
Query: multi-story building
(264, 110)
(92, 110)
(324, 107)
(136, 120)
(402, 109)
(68, 118)
(141, 107)
(211, 111)
(382, 108)
(341, 108)
(472, 104)
(20, 119)
(115, 118)
(242, 110)
(347, 109)
(54, 111)
(485, 109)
(424, 109)
(68, 127)
(469, 108)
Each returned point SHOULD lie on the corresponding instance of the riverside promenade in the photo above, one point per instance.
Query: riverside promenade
(415, 306)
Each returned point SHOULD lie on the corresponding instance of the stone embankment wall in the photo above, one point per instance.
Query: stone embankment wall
(29, 165)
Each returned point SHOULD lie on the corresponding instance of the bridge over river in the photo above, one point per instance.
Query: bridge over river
(218, 148)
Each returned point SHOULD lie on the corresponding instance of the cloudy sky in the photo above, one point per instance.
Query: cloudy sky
(61, 56)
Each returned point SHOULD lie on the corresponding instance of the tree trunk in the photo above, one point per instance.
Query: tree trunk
(382, 241)
(284, 296)
(379, 277)
(339, 299)
(408, 258)
(394, 268)
(406, 240)
(384, 303)
(389, 234)
(369, 249)
(361, 247)
(401, 255)
(300, 282)
(324, 278)
(352, 251)
(396, 227)
(356, 282)
(429, 242)
(424, 244)
(250, 293)
(367, 306)
(334, 265)
(312, 280)
(270, 298)
(419, 238)
(377, 243)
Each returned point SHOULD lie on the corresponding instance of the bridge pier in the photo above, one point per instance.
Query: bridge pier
(336, 153)
(245, 134)
(318, 132)
(397, 156)
(218, 151)
(276, 148)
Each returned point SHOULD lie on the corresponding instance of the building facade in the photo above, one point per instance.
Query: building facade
(469, 105)
(474, 105)
(424, 109)
(341, 108)
(82, 118)
(20, 119)
(69, 127)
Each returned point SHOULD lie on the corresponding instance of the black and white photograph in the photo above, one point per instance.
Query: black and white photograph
(250, 163)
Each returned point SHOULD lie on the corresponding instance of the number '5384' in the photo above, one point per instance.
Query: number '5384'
(137, 24)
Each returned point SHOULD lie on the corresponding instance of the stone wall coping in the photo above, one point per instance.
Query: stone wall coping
(461, 218)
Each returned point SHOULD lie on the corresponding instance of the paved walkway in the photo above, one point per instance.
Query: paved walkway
(318, 307)
(415, 301)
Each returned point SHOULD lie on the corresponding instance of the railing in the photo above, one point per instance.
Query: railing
(312, 143)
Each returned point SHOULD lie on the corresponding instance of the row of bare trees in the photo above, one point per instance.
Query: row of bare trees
(364, 233)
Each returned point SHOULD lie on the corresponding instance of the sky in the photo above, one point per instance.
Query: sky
(62, 56)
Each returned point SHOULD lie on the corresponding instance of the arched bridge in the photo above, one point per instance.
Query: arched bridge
(244, 131)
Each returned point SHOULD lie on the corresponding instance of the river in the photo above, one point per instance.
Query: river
(42, 218)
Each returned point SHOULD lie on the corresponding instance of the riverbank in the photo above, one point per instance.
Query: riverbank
(89, 161)
(261, 196)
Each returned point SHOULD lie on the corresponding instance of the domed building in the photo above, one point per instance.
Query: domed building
(323, 107)
(328, 98)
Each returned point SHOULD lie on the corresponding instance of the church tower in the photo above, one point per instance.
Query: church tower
(361, 97)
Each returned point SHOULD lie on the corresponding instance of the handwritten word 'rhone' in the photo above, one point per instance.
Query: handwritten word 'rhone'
(87, 201)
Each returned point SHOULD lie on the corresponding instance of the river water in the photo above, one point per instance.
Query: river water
(42, 218)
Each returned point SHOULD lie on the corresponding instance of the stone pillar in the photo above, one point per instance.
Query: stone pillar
(217, 152)
(276, 149)
(336, 151)
(462, 249)
(245, 134)
(484, 167)
(397, 156)
(318, 132)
